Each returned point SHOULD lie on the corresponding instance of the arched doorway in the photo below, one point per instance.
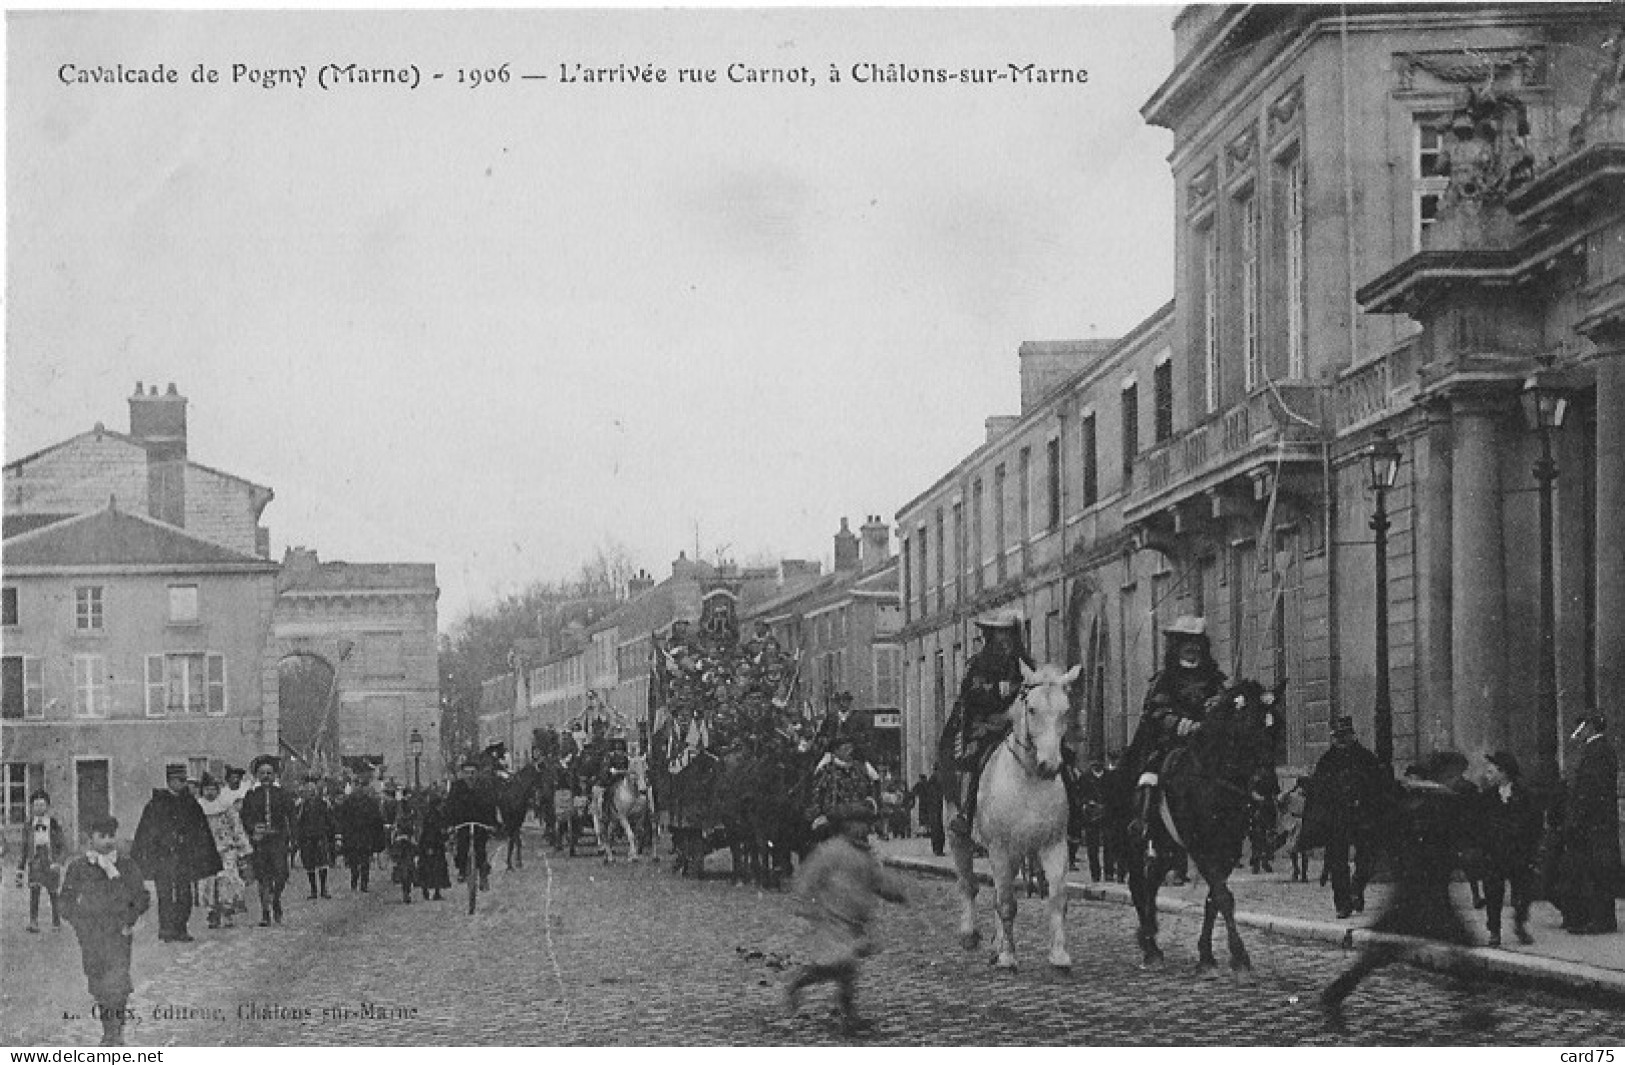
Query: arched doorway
(307, 701)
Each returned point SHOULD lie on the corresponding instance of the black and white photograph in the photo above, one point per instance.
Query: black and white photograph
(831, 526)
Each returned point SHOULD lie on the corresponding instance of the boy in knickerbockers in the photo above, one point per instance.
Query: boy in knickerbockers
(102, 896)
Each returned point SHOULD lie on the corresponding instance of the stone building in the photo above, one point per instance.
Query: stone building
(843, 628)
(130, 646)
(352, 648)
(1318, 175)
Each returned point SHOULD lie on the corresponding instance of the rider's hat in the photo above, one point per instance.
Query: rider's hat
(1008, 618)
(266, 759)
(1186, 625)
(1342, 726)
(1506, 763)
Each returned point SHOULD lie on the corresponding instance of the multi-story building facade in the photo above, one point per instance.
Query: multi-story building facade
(365, 632)
(842, 628)
(1313, 154)
(1033, 519)
(129, 646)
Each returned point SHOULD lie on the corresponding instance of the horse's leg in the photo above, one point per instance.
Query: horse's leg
(1005, 862)
(964, 868)
(1239, 959)
(1144, 877)
(631, 839)
(1204, 942)
(1054, 864)
(517, 840)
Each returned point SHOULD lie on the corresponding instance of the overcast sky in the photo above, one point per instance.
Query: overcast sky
(494, 328)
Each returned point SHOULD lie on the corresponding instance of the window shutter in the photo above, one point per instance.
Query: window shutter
(217, 684)
(33, 687)
(155, 686)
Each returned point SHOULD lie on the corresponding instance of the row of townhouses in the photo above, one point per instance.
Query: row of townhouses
(841, 626)
(145, 625)
(1400, 275)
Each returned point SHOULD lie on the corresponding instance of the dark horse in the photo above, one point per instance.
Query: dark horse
(761, 797)
(515, 797)
(1204, 811)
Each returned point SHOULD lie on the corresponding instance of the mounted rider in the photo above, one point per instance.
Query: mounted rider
(980, 720)
(1176, 704)
(612, 769)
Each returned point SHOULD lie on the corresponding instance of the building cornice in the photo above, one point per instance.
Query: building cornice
(192, 569)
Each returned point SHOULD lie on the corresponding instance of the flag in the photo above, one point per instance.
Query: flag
(657, 683)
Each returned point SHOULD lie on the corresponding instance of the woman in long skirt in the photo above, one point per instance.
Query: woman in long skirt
(433, 872)
(223, 892)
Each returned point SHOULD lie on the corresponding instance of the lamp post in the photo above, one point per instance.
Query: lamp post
(1382, 460)
(414, 743)
(1544, 406)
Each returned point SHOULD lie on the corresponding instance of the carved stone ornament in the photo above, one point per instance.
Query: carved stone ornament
(1486, 148)
(1604, 117)
(1241, 151)
(1201, 185)
(1517, 67)
(1281, 112)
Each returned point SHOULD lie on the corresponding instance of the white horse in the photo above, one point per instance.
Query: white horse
(1021, 809)
(630, 799)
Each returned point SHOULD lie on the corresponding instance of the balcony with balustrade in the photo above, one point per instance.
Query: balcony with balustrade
(1277, 426)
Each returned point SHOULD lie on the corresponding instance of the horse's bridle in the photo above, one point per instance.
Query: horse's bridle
(1030, 763)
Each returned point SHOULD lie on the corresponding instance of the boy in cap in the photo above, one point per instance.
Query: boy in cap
(836, 889)
(102, 896)
(268, 818)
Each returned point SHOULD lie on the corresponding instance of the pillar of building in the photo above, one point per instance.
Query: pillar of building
(1478, 607)
(1610, 619)
(1435, 726)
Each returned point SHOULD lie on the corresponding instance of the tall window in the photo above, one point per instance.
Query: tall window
(1428, 182)
(23, 680)
(184, 684)
(1162, 386)
(942, 563)
(1053, 479)
(998, 520)
(1291, 178)
(14, 792)
(925, 572)
(959, 552)
(908, 575)
(1207, 240)
(1091, 469)
(888, 678)
(1131, 426)
(87, 608)
(1026, 494)
(1247, 209)
(89, 686)
(976, 531)
(8, 607)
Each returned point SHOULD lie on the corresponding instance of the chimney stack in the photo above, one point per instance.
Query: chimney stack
(640, 584)
(846, 549)
(875, 547)
(158, 424)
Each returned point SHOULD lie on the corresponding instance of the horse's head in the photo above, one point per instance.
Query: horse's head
(1041, 714)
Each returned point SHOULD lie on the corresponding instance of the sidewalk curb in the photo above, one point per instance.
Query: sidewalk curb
(1503, 965)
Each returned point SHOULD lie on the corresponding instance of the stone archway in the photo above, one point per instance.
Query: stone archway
(307, 702)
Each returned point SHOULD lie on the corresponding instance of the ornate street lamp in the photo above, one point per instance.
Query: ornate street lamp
(1382, 459)
(1544, 405)
(414, 743)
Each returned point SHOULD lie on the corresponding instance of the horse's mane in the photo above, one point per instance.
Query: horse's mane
(1237, 740)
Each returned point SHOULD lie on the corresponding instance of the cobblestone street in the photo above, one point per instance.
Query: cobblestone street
(639, 956)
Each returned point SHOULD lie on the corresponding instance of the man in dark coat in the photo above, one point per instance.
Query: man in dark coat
(1591, 833)
(1089, 816)
(268, 818)
(471, 800)
(927, 793)
(1176, 703)
(1117, 793)
(1508, 822)
(1429, 828)
(360, 821)
(1343, 796)
(174, 846)
(316, 829)
(979, 723)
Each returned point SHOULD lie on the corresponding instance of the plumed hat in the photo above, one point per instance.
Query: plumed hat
(266, 759)
(1186, 625)
(1506, 763)
(1342, 726)
(1000, 619)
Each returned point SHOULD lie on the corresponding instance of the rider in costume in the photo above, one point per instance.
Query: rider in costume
(1175, 705)
(978, 724)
